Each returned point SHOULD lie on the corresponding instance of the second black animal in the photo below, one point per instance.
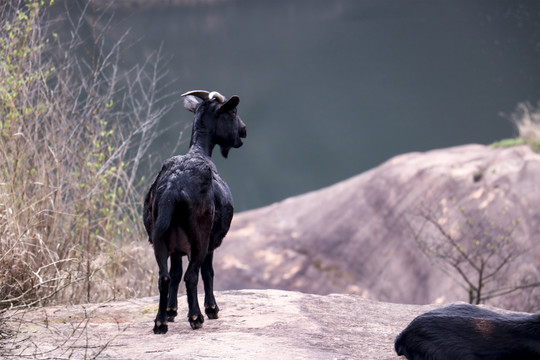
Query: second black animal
(189, 208)
(468, 332)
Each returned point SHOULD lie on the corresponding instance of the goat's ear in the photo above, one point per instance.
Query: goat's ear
(229, 105)
(191, 103)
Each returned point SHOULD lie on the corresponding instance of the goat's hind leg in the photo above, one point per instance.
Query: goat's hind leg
(191, 278)
(176, 275)
(207, 271)
(160, 323)
(199, 236)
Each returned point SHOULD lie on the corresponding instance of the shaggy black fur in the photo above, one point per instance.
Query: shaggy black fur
(189, 208)
(468, 332)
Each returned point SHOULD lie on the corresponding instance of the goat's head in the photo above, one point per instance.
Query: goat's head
(218, 116)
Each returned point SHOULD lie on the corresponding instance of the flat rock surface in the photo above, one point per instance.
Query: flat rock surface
(253, 324)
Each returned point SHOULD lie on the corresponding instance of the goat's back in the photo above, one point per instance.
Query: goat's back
(182, 188)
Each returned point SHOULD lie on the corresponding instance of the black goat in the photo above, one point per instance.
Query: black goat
(189, 208)
(468, 332)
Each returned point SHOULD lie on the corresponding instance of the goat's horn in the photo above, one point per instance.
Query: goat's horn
(201, 94)
(217, 96)
(205, 95)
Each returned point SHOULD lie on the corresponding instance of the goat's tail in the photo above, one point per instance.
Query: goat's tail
(165, 210)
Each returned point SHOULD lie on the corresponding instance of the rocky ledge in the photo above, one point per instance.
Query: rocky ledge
(253, 324)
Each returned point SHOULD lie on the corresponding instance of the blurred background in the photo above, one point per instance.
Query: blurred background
(332, 88)
(90, 108)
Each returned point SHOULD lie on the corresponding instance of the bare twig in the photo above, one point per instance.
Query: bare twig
(473, 250)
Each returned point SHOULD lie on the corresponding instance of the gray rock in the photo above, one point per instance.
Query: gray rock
(354, 236)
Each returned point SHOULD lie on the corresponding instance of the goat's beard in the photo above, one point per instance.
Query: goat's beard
(225, 151)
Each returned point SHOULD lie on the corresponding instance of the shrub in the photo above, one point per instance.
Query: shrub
(74, 129)
(526, 119)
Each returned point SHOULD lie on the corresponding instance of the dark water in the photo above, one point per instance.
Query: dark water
(331, 88)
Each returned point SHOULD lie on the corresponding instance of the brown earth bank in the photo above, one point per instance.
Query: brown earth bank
(253, 324)
(355, 236)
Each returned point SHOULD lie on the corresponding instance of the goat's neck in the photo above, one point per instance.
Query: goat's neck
(201, 143)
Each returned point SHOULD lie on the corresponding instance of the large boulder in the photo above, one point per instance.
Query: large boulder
(356, 236)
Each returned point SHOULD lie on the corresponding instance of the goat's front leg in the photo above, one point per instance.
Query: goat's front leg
(160, 324)
(176, 275)
(210, 307)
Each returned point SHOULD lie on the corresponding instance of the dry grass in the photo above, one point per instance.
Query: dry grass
(526, 119)
(74, 129)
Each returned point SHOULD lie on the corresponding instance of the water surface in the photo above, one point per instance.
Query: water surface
(332, 88)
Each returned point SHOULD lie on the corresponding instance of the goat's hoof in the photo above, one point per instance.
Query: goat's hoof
(212, 311)
(160, 328)
(196, 321)
(171, 314)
